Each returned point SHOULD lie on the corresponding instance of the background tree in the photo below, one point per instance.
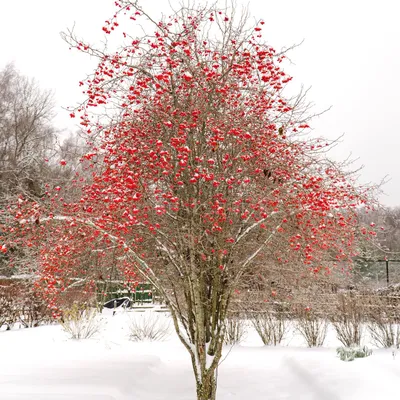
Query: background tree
(32, 160)
(26, 133)
(203, 171)
(386, 245)
(27, 139)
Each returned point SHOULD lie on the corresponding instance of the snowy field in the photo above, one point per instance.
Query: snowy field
(44, 364)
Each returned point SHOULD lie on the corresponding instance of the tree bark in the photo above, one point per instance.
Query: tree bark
(207, 388)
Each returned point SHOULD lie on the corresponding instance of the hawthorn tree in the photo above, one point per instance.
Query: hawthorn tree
(202, 170)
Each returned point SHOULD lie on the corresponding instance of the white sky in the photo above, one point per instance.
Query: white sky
(350, 57)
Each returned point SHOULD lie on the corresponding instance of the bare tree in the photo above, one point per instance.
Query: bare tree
(26, 133)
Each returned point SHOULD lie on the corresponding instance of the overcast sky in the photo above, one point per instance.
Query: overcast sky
(350, 57)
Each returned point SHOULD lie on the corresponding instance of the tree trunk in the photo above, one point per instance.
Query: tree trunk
(207, 388)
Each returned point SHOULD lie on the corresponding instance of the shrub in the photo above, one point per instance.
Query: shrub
(348, 320)
(235, 330)
(149, 326)
(33, 311)
(8, 315)
(270, 327)
(81, 322)
(383, 323)
(19, 302)
(312, 327)
(385, 334)
(351, 353)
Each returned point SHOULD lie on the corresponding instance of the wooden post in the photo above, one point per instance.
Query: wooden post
(387, 271)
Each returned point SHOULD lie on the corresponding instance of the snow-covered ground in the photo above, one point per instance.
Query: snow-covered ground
(44, 364)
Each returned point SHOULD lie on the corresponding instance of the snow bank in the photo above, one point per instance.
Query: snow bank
(43, 364)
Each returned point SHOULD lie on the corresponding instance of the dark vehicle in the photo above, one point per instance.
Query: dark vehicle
(123, 302)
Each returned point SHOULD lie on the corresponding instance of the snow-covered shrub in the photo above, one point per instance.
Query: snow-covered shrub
(81, 322)
(383, 321)
(235, 330)
(351, 353)
(348, 320)
(33, 311)
(9, 296)
(384, 333)
(8, 315)
(149, 326)
(270, 327)
(20, 303)
(312, 327)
